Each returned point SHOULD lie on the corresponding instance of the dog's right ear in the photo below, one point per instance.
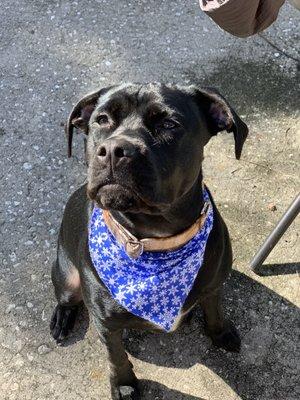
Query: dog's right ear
(80, 115)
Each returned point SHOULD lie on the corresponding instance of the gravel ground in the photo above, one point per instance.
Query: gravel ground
(53, 52)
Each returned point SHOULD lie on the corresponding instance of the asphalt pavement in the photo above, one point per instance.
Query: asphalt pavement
(53, 52)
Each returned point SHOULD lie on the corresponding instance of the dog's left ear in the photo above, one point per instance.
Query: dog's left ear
(220, 116)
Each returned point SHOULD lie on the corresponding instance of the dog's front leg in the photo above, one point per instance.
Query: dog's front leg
(221, 331)
(124, 384)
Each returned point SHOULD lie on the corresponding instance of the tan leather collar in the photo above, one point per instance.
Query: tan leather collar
(135, 247)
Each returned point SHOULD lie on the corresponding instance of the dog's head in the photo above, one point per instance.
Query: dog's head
(145, 142)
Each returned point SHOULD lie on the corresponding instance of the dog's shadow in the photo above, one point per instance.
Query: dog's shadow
(156, 391)
(265, 367)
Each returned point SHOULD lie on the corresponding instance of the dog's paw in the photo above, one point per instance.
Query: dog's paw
(228, 339)
(62, 321)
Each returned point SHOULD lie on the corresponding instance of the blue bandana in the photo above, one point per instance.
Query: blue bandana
(156, 284)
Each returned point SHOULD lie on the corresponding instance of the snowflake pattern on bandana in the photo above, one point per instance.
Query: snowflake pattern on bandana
(156, 284)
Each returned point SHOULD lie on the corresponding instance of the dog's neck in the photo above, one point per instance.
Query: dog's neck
(181, 215)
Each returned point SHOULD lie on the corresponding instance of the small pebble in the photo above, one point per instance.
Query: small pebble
(14, 387)
(272, 207)
(27, 166)
(43, 349)
(9, 308)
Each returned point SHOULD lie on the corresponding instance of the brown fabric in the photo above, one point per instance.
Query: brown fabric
(242, 17)
(134, 247)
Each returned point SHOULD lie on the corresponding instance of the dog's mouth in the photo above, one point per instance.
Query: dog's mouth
(114, 196)
(118, 197)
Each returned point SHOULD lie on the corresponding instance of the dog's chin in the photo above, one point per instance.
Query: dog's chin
(115, 197)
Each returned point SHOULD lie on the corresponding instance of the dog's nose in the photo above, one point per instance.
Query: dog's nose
(115, 150)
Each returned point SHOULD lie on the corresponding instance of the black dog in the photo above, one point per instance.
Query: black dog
(144, 150)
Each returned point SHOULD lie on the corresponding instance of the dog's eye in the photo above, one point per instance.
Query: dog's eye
(168, 124)
(102, 119)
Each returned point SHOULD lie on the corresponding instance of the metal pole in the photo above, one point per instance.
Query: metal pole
(276, 234)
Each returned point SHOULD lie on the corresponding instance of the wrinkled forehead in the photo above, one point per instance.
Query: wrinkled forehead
(152, 97)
